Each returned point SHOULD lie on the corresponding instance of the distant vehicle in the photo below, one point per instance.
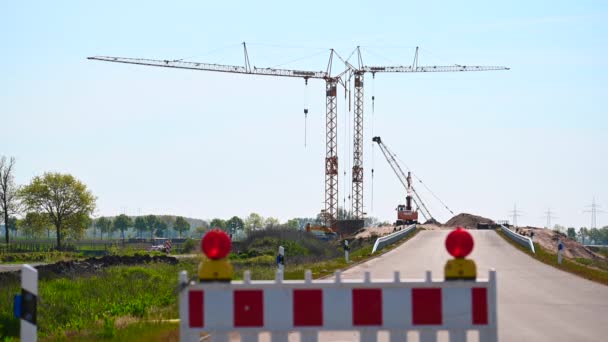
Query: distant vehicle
(405, 214)
(165, 247)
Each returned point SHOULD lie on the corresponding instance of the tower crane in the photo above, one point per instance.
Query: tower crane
(331, 124)
(406, 181)
(356, 73)
(359, 72)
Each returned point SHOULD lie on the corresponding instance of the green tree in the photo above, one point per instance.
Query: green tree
(594, 235)
(34, 224)
(559, 228)
(181, 225)
(234, 223)
(12, 225)
(104, 225)
(160, 228)
(294, 223)
(200, 230)
(151, 224)
(571, 233)
(253, 221)
(62, 197)
(121, 223)
(9, 193)
(270, 222)
(140, 225)
(76, 225)
(604, 232)
(218, 223)
(583, 233)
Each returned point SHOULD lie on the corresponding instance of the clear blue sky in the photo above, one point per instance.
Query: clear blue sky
(153, 140)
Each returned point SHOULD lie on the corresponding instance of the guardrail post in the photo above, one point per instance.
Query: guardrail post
(281, 261)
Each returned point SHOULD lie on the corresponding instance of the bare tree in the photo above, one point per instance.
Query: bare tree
(8, 191)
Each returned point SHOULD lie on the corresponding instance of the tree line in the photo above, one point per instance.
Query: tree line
(60, 203)
(152, 224)
(589, 236)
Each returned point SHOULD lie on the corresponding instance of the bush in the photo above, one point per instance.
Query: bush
(299, 245)
(191, 245)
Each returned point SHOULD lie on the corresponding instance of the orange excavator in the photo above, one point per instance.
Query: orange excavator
(405, 213)
(321, 232)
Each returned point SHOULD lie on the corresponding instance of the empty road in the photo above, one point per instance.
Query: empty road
(536, 302)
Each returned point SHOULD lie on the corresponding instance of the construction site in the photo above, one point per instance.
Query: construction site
(342, 213)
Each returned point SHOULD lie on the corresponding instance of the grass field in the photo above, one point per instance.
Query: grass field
(122, 303)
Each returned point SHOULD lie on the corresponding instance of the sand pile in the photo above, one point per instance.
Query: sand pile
(547, 239)
(467, 221)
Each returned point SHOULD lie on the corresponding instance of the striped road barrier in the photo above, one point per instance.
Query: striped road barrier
(306, 307)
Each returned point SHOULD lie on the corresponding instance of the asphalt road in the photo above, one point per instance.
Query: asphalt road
(536, 302)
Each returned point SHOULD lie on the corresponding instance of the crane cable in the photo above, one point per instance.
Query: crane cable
(423, 184)
(305, 109)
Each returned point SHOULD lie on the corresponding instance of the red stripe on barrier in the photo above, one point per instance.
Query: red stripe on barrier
(426, 306)
(367, 306)
(307, 308)
(248, 308)
(479, 296)
(196, 315)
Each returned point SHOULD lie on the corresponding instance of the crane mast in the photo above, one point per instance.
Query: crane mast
(331, 82)
(359, 72)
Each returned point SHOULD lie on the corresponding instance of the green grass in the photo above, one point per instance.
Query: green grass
(581, 268)
(95, 306)
(47, 257)
(77, 305)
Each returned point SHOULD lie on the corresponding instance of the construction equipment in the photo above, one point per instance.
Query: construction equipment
(321, 232)
(405, 213)
(331, 82)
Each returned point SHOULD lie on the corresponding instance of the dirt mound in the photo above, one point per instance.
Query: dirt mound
(374, 232)
(96, 264)
(467, 221)
(548, 240)
(433, 221)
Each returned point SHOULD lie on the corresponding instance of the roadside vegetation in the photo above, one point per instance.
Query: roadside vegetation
(596, 269)
(134, 303)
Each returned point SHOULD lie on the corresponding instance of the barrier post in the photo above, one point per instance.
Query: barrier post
(28, 303)
(346, 251)
(281, 261)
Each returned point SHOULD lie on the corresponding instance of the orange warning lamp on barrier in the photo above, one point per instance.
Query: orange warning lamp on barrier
(459, 244)
(216, 246)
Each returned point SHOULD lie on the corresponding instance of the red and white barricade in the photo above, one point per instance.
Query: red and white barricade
(397, 306)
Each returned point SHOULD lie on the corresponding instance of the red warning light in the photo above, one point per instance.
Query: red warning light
(216, 244)
(459, 243)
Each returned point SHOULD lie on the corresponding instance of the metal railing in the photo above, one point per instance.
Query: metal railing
(386, 240)
(524, 241)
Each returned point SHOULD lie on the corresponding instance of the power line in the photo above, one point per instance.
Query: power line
(549, 216)
(595, 209)
(515, 214)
